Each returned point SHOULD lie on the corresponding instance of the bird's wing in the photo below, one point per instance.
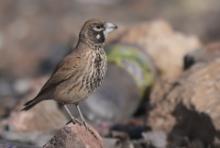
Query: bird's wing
(68, 67)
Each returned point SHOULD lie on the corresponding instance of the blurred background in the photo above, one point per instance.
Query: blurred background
(32, 29)
(156, 41)
(35, 28)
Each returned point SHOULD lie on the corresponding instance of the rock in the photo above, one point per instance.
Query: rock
(15, 144)
(157, 138)
(118, 140)
(202, 56)
(45, 116)
(22, 86)
(166, 46)
(75, 136)
(35, 126)
(190, 106)
(34, 139)
(132, 131)
(110, 142)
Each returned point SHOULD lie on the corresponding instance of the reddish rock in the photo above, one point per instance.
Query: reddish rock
(75, 136)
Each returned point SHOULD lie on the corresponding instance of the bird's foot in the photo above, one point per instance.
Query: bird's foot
(74, 121)
(90, 130)
(85, 125)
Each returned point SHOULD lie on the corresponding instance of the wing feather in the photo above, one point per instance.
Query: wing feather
(66, 69)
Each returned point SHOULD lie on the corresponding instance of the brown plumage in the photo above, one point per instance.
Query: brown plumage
(81, 71)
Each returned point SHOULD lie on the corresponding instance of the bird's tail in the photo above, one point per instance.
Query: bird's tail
(28, 105)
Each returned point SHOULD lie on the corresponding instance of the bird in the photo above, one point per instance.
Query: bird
(80, 72)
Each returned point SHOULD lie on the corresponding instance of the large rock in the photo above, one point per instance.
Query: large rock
(44, 116)
(35, 126)
(190, 106)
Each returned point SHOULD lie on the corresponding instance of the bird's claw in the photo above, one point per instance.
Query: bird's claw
(85, 125)
(74, 121)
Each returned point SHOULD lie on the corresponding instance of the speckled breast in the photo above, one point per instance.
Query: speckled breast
(97, 70)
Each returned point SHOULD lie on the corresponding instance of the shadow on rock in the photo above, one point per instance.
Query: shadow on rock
(192, 128)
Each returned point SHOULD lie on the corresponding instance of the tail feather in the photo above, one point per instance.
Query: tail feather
(28, 105)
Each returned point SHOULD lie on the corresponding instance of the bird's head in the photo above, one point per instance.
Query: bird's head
(96, 31)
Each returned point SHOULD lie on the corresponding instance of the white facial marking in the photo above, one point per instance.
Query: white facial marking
(98, 36)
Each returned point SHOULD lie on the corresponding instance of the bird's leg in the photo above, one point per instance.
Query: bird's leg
(73, 119)
(81, 116)
(84, 122)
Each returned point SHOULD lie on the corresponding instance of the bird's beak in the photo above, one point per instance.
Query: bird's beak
(109, 27)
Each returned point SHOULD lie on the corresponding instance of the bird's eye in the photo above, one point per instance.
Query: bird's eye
(98, 28)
